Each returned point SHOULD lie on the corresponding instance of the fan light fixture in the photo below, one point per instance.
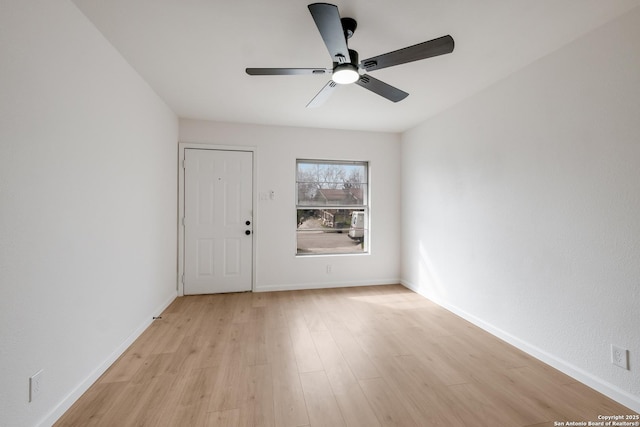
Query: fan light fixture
(345, 74)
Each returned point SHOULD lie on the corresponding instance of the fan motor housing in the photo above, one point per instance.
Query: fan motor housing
(353, 55)
(349, 26)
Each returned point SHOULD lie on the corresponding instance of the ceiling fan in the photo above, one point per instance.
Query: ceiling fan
(335, 32)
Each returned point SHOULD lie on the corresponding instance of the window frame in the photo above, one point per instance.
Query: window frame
(308, 205)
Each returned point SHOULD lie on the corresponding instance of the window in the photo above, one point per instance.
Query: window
(332, 206)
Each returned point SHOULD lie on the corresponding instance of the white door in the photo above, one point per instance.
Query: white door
(218, 246)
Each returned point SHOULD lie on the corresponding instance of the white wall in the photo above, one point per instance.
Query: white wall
(521, 208)
(277, 267)
(87, 206)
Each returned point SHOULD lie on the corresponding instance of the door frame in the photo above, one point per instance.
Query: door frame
(182, 147)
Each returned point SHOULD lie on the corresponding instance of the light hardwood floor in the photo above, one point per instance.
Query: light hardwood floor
(369, 356)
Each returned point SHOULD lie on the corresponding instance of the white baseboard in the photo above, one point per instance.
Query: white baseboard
(75, 394)
(325, 285)
(610, 390)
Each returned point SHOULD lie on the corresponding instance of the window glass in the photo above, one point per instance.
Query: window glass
(331, 207)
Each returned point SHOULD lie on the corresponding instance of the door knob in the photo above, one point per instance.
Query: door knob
(247, 232)
(248, 222)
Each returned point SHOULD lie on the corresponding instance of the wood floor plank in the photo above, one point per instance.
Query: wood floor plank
(476, 408)
(145, 403)
(228, 418)
(377, 343)
(154, 366)
(422, 389)
(242, 308)
(289, 404)
(199, 386)
(256, 408)
(367, 356)
(97, 401)
(354, 406)
(126, 367)
(229, 386)
(430, 352)
(256, 336)
(322, 406)
(314, 322)
(517, 397)
(388, 407)
(594, 404)
(288, 399)
(395, 380)
(194, 415)
(303, 346)
(357, 358)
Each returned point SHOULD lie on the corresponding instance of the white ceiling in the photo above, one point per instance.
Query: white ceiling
(193, 53)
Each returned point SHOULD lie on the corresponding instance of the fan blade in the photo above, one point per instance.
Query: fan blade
(381, 88)
(328, 22)
(323, 95)
(286, 71)
(435, 47)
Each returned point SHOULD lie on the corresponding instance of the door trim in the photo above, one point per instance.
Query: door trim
(182, 146)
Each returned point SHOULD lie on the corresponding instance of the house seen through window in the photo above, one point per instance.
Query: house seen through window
(332, 207)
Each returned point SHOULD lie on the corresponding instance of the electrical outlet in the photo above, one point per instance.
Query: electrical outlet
(619, 356)
(329, 268)
(35, 385)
